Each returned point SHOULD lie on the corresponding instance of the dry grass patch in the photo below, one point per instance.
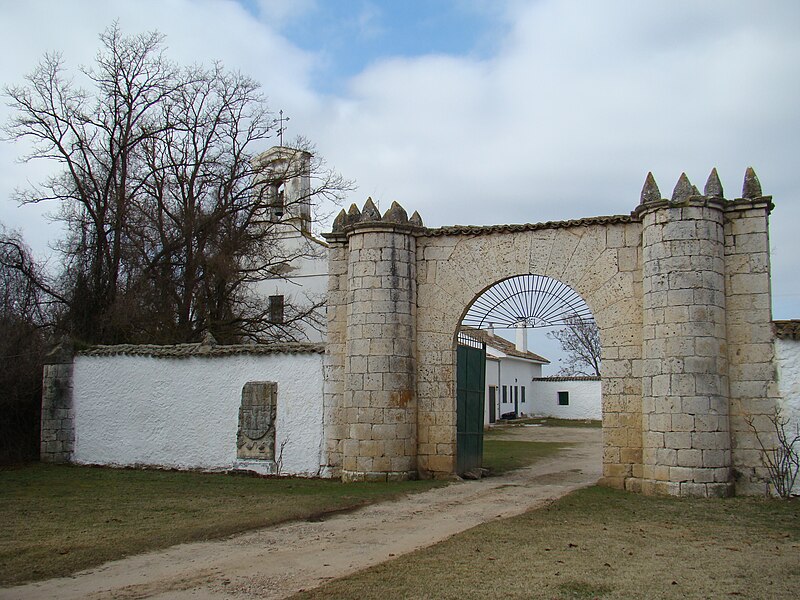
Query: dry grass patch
(59, 519)
(501, 456)
(602, 543)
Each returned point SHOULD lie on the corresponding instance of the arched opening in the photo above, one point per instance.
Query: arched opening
(499, 334)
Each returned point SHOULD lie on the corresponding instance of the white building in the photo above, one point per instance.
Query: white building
(510, 369)
(299, 281)
(567, 397)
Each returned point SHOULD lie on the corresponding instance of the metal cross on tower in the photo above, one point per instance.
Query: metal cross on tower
(280, 120)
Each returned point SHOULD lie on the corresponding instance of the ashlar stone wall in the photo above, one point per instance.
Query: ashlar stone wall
(599, 258)
(680, 292)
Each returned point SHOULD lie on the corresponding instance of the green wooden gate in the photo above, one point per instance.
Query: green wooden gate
(470, 386)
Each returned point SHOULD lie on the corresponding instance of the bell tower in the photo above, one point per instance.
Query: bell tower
(283, 177)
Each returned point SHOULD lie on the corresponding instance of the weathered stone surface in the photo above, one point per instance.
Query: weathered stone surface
(396, 214)
(370, 212)
(683, 189)
(713, 188)
(650, 191)
(255, 438)
(680, 292)
(751, 188)
(57, 435)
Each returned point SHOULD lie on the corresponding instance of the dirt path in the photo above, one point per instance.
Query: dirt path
(279, 561)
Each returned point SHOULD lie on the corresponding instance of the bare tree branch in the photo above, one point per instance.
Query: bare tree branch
(581, 342)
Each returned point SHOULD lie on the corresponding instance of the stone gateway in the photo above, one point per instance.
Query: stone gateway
(680, 290)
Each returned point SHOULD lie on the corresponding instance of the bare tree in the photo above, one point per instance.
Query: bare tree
(779, 451)
(581, 342)
(95, 139)
(23, 319)
(169, 223)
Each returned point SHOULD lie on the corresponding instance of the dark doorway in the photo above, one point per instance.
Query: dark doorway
(470, 386)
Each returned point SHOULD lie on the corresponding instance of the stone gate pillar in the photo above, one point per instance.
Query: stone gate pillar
(57, 440)
(685, 397)
(378, 401)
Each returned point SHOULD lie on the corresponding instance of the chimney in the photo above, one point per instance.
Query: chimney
(522, 337)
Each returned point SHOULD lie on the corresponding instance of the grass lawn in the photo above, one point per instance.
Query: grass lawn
(60, 519)
(500, 456)
(603, 543)
(553, 422)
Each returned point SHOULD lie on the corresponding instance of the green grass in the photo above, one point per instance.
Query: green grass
(59, 519)
(501, 456)
(552, 422)
(603, 543)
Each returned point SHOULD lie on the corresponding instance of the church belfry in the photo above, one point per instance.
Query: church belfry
(285, 174)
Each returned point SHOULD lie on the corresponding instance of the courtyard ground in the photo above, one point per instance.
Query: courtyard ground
(278, 561)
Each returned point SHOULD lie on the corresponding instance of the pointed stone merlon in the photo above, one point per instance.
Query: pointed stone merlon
(396, 214)
(713, 187)
(339, 222)
(370, 212)
(751, 188)
(650, 191)
(683, 189)
(353, 215)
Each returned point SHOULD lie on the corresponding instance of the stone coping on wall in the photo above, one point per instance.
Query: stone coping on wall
(490, 229)
(203, 350)
(576, 378)
(787, 329)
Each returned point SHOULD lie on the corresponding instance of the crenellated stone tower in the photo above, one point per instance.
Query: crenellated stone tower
(680, 290)
(706, 334)
(370, 401)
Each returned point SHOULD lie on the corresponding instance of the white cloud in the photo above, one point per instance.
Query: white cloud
(276, 13)
(578, 102)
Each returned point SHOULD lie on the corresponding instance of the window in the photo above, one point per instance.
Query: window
(505, 395)
(563, 398)
(516, 394)
(278, 200)
(522, 400)
(276, 310)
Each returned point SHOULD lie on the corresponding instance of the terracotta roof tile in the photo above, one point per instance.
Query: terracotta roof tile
(204, 350)
(567, 378)
(489, 229)
(502, 344)
(787, 330)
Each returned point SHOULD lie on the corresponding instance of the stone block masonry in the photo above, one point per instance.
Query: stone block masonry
(187, 406)
(679, 290)
(372, 406)
(697, 358)
(57, 439)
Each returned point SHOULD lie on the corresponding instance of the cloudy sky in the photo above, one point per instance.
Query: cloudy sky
(483, 111)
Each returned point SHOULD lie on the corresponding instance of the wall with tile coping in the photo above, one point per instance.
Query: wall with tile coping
(178, 407)
(679, 290)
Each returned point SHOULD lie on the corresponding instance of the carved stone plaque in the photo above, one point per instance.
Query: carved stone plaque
(255, 438)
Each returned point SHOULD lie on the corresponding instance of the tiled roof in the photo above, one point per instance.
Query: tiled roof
(502, 344)
(575, 378)
(788, 329)
(203, 350)
(489, 229)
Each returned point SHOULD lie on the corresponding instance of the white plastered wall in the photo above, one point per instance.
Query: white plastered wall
(584, 399)
(184, 412)
(512, 372)
(305, 283)
(787, 352)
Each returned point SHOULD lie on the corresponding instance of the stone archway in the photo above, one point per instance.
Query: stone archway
(679, 290)
(590, 256)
